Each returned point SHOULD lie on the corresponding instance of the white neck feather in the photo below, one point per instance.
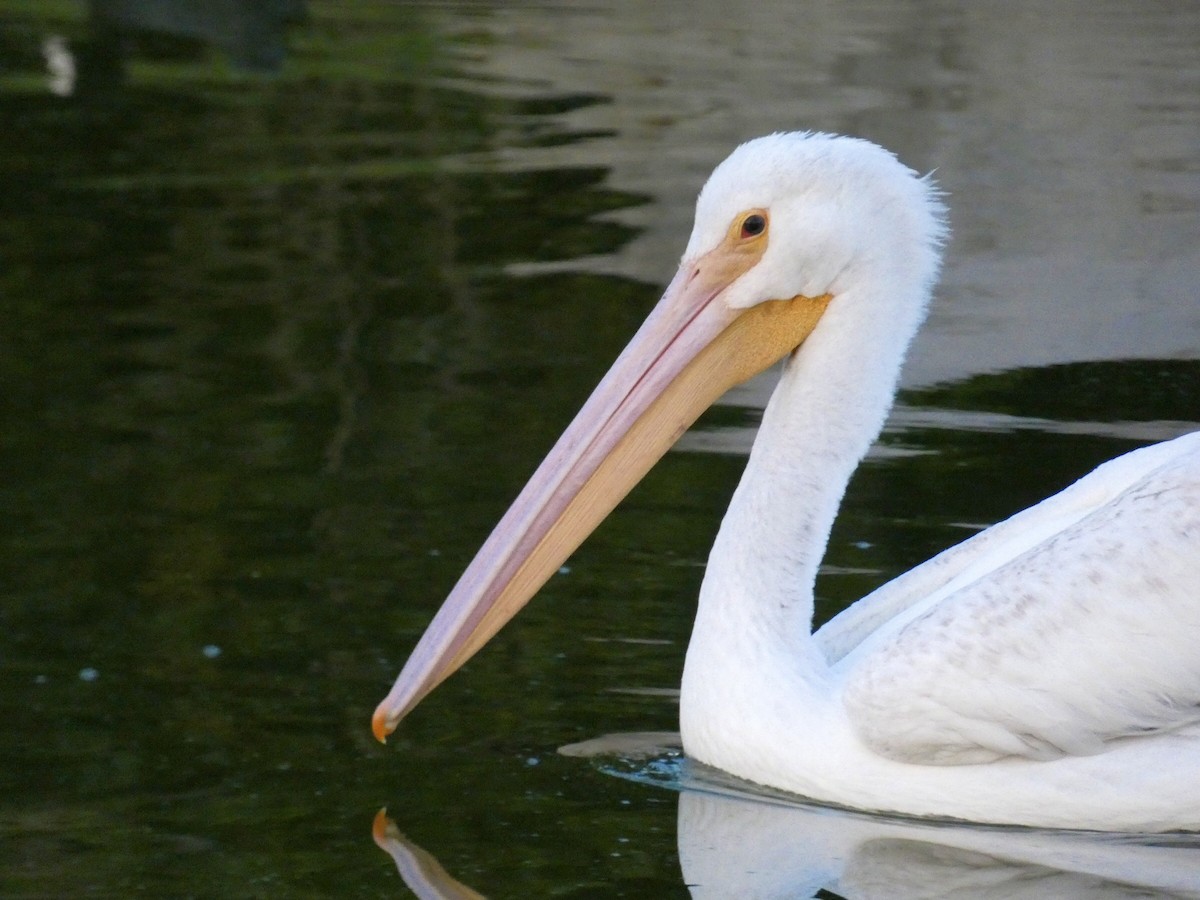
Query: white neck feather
(852, 222)
(756, 602)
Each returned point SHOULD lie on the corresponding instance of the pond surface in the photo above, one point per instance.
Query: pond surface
(293, 303)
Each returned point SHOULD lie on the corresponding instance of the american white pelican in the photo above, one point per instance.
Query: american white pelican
(1045, 672)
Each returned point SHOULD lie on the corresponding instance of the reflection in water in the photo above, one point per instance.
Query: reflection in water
(422, 873)
(1071, 171)
(734, 844)
(251, 35)
(60, 64)
(735, 847)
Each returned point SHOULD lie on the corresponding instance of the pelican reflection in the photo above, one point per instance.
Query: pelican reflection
(736, 845)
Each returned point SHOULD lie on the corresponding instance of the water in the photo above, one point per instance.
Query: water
(293, 305)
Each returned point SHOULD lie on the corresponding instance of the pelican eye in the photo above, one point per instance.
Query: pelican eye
(754, 225)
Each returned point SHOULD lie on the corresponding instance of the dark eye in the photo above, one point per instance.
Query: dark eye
(754, 225)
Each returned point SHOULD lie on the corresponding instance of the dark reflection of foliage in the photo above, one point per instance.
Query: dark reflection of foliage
(1109, 391)
(267, 386)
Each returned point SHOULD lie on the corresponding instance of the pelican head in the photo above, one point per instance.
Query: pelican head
(790, 231)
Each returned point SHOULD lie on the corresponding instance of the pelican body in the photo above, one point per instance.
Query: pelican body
(1045, 672)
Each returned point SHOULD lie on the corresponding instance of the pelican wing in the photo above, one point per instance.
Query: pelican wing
(921, 588)
(1050, 647)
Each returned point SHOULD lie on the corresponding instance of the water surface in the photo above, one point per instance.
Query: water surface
(292, 306)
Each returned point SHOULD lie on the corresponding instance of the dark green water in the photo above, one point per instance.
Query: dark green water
(273, 362)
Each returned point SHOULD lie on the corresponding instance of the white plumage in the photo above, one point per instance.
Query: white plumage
(733, 846)
(1045, 672)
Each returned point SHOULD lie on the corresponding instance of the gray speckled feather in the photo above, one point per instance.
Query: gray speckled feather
(1076, 642)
